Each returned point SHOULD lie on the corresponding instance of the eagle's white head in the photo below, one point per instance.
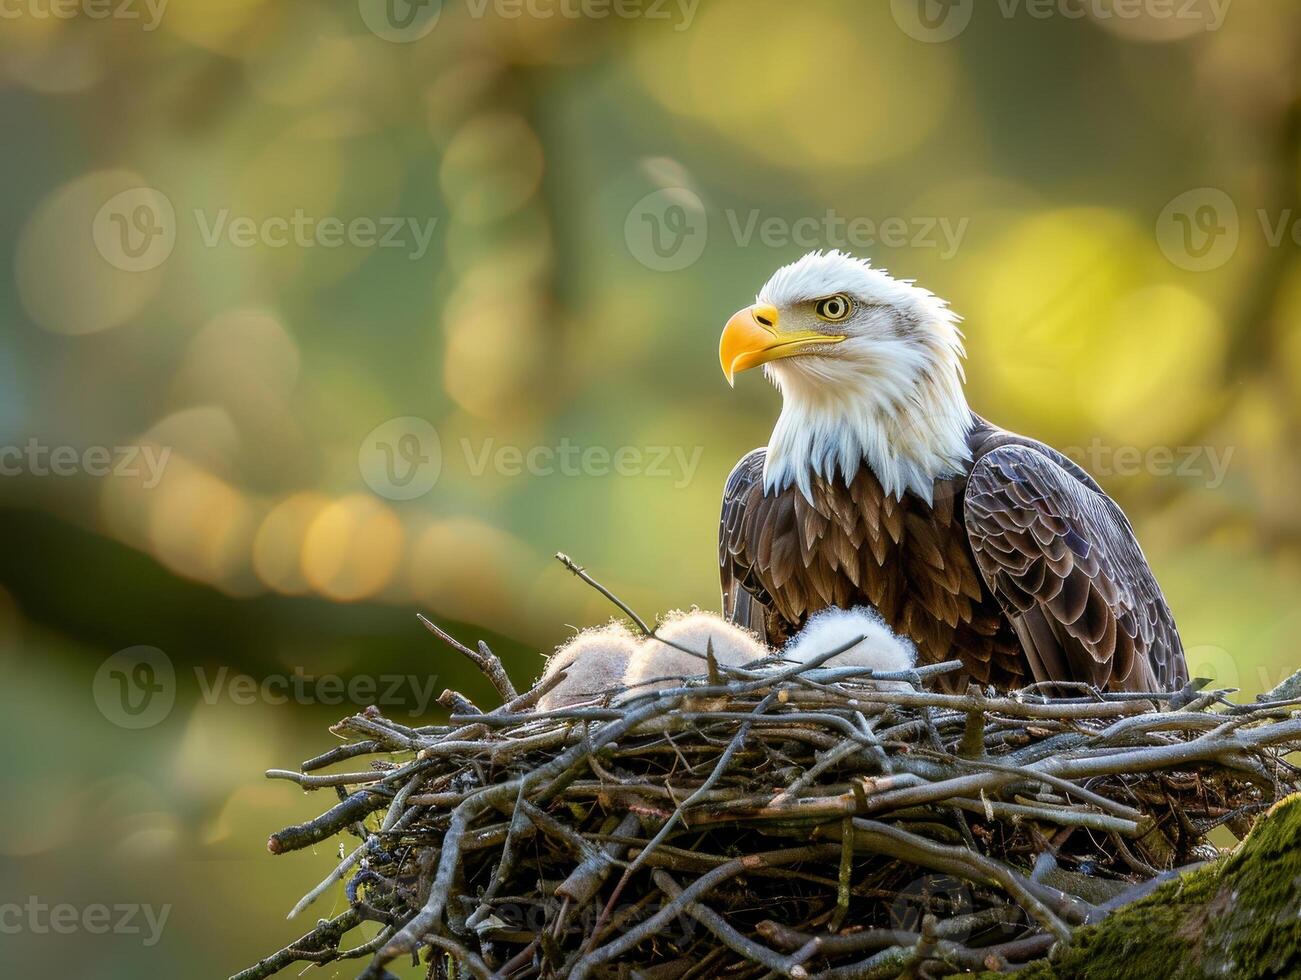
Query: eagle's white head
(870, 371)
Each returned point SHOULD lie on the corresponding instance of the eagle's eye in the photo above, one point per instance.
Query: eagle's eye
(833, 309)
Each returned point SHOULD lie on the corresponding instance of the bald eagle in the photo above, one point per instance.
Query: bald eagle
(880, 486)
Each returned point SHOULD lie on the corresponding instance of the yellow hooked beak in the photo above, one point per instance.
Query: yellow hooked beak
(753, 337)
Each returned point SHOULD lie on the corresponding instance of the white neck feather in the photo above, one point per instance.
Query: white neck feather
(909, 429)
(889, 397)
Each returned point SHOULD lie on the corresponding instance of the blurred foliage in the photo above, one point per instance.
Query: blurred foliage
(1051, 148)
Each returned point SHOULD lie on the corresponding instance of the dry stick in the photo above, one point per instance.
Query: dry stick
(896, 961)
(846, 870)
(1101, 802)
(969, 786)
(878, 750)
(724, 761)
(588, 877)
(531, 697)
(505, 865)
(329, 779)
(350, 810)
(553, 828)
(326, 935)
(824, 761)
(366, 948)
(832, 945)
(463, 956)
(1015, 951)
(483, 658)
(1062, 816)
(1009, 706)
(578, 570)
(338, 754)
(390, 823)
(844, 725)
(395, 738)
(457, 703)
(961, 861)
(729, 937)
(554, 771)
(1212, 745)
(519, 959)
(375, 779)
(676, 817)
(697, 889)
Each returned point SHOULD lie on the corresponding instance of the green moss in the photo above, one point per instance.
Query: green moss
(1239, 918)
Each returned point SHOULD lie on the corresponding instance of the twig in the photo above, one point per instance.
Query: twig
(483, 658)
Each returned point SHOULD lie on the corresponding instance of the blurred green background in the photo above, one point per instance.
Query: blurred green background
(317, 314)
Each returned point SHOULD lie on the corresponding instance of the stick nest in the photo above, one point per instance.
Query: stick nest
(794, 821)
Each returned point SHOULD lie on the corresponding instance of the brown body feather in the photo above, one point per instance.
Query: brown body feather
(1021, 567)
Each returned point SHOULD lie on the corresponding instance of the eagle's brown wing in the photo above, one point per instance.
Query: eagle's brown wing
(1061, 558)
(744, 600)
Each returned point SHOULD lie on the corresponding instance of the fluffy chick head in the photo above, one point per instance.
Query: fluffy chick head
(658, 666)
(881, 648)
(595, 660)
